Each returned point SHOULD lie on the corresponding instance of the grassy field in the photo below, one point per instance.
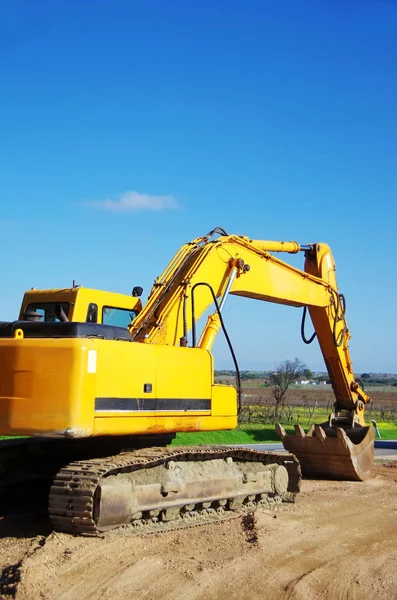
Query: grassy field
(247, 435)
(314, 403)
(256, 434)
(253, 434)
(305, 405)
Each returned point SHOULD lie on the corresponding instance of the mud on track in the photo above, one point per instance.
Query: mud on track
(339, 541)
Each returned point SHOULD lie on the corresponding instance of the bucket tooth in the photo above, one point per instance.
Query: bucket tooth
(320, 433)
(299, 431)
(280, 431)
(342, 437)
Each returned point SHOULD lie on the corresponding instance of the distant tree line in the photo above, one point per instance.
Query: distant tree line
(243, 374)
(379, 379)
(267, 375)
(368, 379)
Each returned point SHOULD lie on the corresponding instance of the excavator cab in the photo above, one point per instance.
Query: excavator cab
(80, 304)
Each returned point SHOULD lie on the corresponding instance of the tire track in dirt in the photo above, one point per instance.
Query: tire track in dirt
(338, 541)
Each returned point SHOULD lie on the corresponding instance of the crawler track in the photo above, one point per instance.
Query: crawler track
(75, 502)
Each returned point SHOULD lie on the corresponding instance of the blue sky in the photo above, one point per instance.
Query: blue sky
(276, 120)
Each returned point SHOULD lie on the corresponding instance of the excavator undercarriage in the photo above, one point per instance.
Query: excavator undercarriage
(145, 489)
(159, 485)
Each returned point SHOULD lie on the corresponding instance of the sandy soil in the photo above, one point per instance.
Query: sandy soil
(339, 541)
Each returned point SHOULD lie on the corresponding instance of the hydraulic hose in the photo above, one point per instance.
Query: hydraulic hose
(304, 338)
(340, 306)
(238, 378)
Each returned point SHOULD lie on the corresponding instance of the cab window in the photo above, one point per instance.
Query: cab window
(49, 310)
(92, 313)
(118, 317)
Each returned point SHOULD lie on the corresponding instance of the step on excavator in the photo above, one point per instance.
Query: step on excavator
(100, 385)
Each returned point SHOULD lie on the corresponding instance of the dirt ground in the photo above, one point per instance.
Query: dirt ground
(339, 541)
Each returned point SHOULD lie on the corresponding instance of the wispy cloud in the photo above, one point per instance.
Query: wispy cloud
(135, 201)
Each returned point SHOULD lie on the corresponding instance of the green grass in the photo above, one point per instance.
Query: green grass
(388, 431)
(256, 434)
(251, 434)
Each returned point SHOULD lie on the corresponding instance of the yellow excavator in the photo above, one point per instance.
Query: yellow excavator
(101, 398)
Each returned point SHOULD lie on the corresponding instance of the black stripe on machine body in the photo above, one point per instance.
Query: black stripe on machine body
(152, 404)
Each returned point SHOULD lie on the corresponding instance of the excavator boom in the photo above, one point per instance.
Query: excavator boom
(208, 269)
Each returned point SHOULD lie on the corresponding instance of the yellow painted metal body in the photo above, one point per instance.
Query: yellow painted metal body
(81, 387)
(85, 387)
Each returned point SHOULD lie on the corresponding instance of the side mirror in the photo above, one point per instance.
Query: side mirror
(137, 291)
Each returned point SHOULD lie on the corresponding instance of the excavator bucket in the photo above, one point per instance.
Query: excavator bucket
(332, 452)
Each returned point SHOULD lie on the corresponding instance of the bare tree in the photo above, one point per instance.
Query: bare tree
(286, 373)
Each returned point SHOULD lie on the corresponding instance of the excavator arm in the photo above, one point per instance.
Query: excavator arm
(207, 269)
